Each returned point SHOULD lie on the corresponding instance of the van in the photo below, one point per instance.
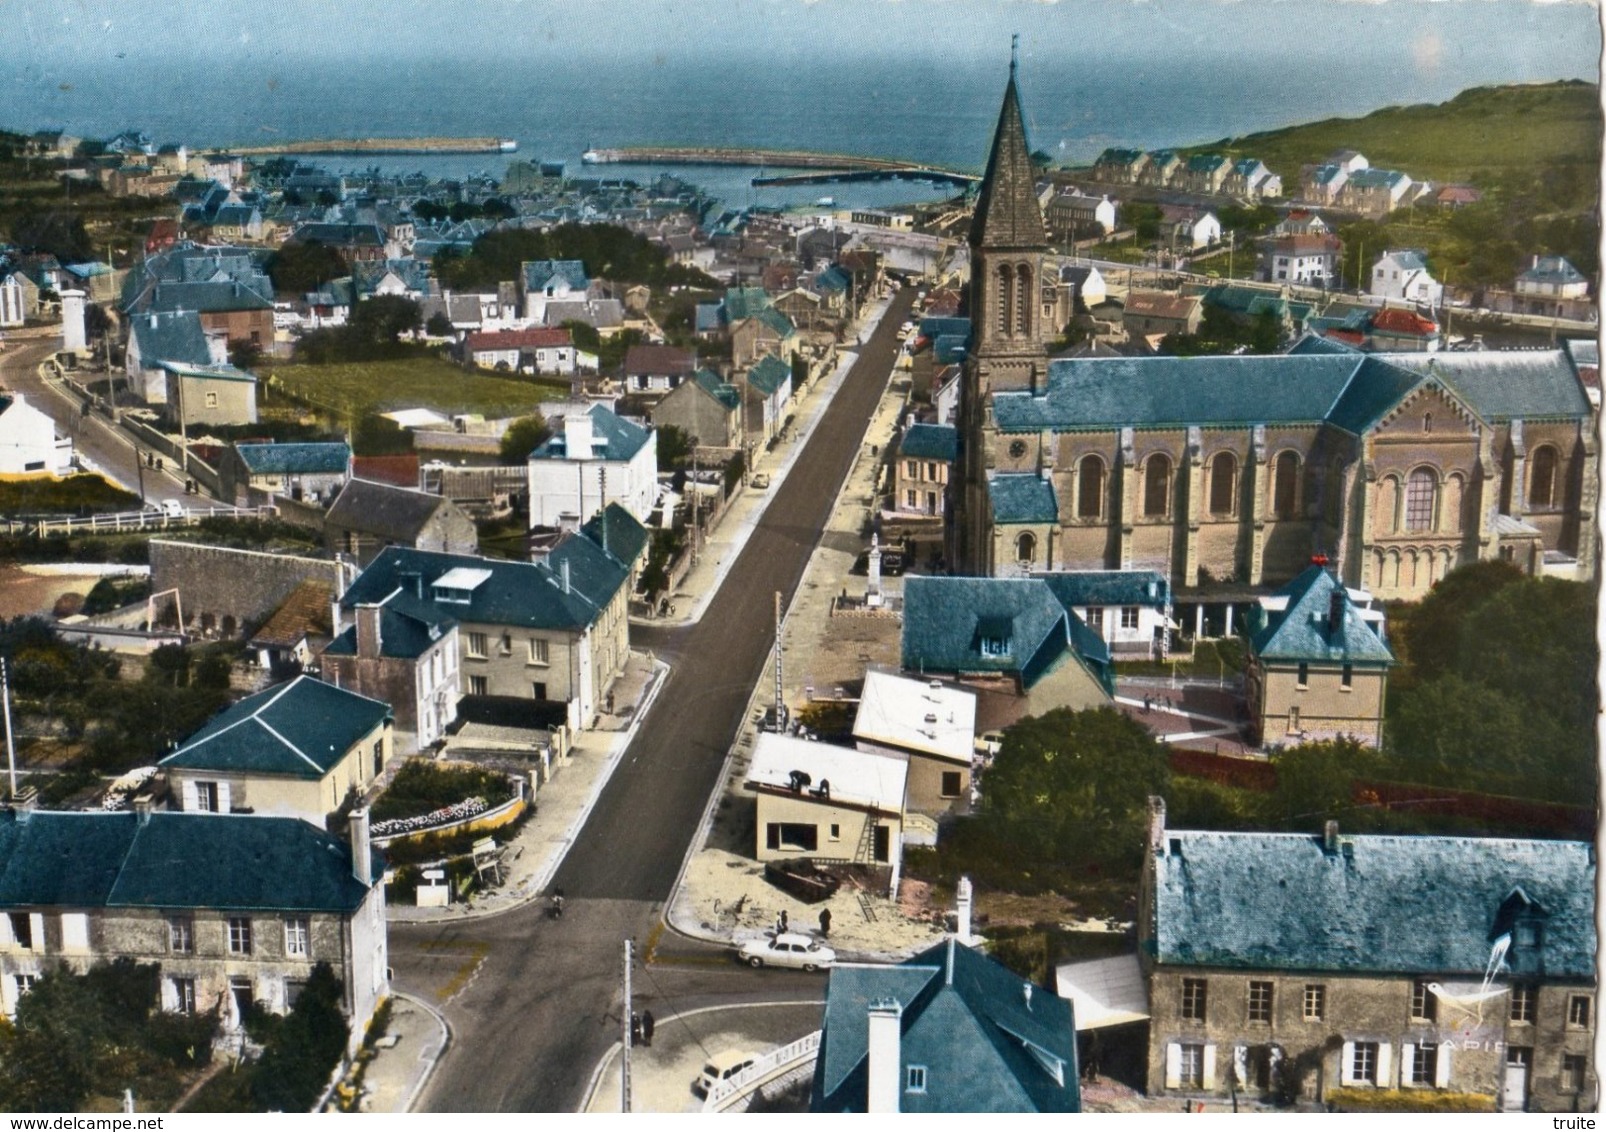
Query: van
(721, 1067)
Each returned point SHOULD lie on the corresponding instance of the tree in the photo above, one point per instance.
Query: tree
(1432, 635)
(304, 1048)
(522, 437)
(1042, 160)
(1072, 784)
(58, 232)
(1449, 726)
(674, 447)
(383, 319)
(429, 211)
(297, 269)
(439, 326)
(1315, 782)
(244, 353)
(96, 322)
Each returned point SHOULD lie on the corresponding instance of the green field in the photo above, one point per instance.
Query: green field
(357, 388)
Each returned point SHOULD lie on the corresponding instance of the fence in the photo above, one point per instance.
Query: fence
(764, 1069)
(142, 520)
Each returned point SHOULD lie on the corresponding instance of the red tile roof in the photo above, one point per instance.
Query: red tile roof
(398, 471)
(519, 339)
(1398, 320)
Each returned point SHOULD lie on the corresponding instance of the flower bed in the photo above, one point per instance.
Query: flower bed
(425, 793)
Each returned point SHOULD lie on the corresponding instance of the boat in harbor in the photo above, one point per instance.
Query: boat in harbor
(507, 145)
(826, 202)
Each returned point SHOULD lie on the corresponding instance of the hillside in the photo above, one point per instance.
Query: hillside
(1487, 135)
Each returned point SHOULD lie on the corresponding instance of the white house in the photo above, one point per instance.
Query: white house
(1403, 274)
(593, 459)
(546, 280)
(1552, 276)
(13, 299)
(538, 350)
(1311, 260)
(28, 440)
(1191, 229)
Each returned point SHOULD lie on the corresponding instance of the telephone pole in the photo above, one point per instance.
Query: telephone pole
(628, 1034)
(779, 708)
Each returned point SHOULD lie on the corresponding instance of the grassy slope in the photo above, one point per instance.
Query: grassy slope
(1483, 135)
(431, 383)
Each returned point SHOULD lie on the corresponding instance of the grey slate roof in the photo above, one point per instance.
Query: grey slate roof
(301, 729)
(539, 273)
(1022, 499)
(985, 1046)
(238, 862)
(1390, 904)
(1107, 587)
(1502, 384)
(1552, 269)
(396, 514)
(612, 438)
(303, 457)
(1007, 213)
(618, 530)
(930, 442)
(176, 337)
(407, 629)
(1302, 632)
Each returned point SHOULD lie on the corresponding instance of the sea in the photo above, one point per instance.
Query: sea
(915, 104)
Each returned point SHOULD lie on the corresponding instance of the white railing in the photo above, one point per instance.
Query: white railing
(765, 1069)
(144, 520)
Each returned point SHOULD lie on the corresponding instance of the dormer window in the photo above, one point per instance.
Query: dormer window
(994, 646)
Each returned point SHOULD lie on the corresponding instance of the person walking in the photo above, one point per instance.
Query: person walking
(825, 923)
(647, 1026)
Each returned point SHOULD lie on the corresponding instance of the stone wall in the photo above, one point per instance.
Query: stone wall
(233, 591)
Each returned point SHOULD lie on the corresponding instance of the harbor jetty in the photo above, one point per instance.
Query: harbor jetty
(823, 167)
(381, 146)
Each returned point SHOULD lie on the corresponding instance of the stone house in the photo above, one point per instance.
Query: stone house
(767, 385)
(1150, 314)
(926, 455)
(707, 409)
(403, 652)
(818, 800)
(1204, 173)
(1162, 169)
(366, 517)
(301, 749)
(538, 349)
(767, 332)
(1310, 963)
(1072, 217)
(234, 910)
(1318, 665)
(297, 631)
(1120, 166)
(314, 471)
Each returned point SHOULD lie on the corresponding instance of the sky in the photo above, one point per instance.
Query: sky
(1431, 33)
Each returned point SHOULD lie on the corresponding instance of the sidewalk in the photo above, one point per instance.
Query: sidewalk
(404, 1056)
(725, 543)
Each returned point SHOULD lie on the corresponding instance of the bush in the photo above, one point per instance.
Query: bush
(1407, 1100)
(421, 787)
(301, 1057)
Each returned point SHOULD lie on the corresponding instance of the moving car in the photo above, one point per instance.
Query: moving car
(721, 1067)
(789, 949)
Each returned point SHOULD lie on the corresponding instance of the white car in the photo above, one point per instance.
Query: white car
(789, 949)
(169, 508)
(721, 1067)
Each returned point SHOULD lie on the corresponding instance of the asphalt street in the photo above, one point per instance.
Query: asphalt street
(534, 1002)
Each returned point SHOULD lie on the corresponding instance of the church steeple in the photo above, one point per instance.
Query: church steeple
(1007, 212)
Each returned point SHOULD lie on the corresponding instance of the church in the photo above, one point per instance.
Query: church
(1239, 470)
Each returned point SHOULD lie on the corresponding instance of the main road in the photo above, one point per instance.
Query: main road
(534, 1002)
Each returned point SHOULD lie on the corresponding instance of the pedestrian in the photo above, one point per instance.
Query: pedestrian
(635, 1028)
(780, 923)
(647, 1027)
(825, 923)
(1148, 704)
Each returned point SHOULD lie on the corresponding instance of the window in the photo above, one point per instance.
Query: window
(25, 983)
(1026, 547)
(1419, 500)
(911, 499)
(1259, 1001)
(1023, 300)
(538, 690)
(994, 646)
(181, 935)
(835, 833)
(297, 938)
(1423, 1003)
(1522, 1003)
(1223, 483)
(206, 797)
(1315, 1002)
(1542, 478)
(1157, 487)
(1285, 486)
(292, 992)
(931, 471)
(1363, 1063)
(951, 783)
(1427, 422)
(1191, 1075)
(379, 756)
(1004, 298)
(915, 1079)
(913, 468)
(1578, 1012)
(1090, 488)
(1193, 1000)
(1574, 1070)
(539, 652)
(1129, 617)
(1095, 618)
(1424, 1063)
(1346, 677)
(477, 645)
(479, 686)
(792, 835)
(239, 935)
(184, 995)
(22, 930)
(1302, 677)
(211, 400)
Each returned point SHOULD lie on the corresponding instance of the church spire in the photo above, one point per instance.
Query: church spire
(1007, 212)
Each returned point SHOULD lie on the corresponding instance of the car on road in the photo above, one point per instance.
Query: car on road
(722, 1066)
(788, 949)
(759, 482)
(168, 508)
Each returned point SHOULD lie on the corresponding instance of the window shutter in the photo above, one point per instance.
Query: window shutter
(189, 795)
(223, 797)
(1441, 1067)
(1346, 1068)
(169, 996)
(36, 921)
(1240, 1064)
(6, 938)
(1173, 1065)
(75, 931)
(1209, 1076)
(1383, 1064)
(1274, 1062)
(1406, 1063)
(270, 992)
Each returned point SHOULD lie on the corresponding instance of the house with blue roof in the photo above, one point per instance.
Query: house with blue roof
(1010, 640)
(545, 637)
(1120, 166)
(550, 280)
(767, 390)
(1318, 664)
(301, 749)
(167, 336)
(925, 460)
(1204, 173)
(310, 471)
(950, 1030)
(404, 652)
(407, 277)
(1129, 609)
(767, 330)
(592, 459)
(1376, 192)
(1307, 963)
(707, 409)
(234, 910)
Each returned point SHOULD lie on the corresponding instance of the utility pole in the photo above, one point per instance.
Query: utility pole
(11, 749)
(628, 1033)
(696, 496)
(778, 671)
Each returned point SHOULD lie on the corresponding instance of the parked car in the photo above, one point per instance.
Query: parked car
(760, 481)
(721, 1067)
(170, 508)
(789, 949)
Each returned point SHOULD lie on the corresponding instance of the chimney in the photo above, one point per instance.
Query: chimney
(369, 638)
(362, 853)
(1156, 824)
(577, 436)
(885, 1055)
(1330, 838)
(1335, 613)
(142, 809)
(962, 919)
(565, 570)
